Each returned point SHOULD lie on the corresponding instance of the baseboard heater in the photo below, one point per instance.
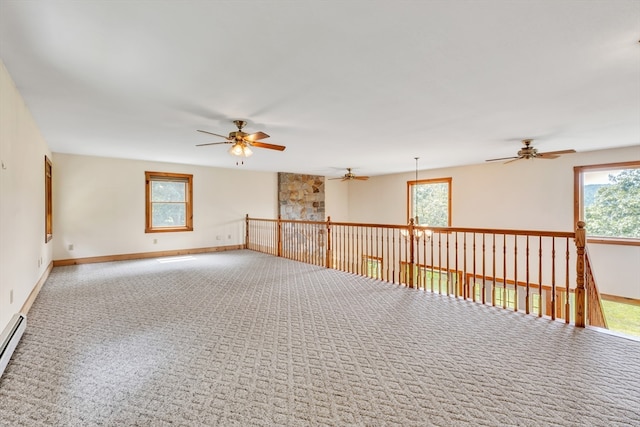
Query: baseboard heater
(10, 338)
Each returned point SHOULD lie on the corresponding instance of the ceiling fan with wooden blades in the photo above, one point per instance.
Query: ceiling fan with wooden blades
(349, 176)
(242, 141)
(528, 152)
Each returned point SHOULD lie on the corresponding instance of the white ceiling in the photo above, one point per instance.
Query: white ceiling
(363, 84)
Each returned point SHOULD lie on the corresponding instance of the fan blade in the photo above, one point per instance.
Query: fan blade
(555, 153)
(546, 156)
(513, 159)
(269, 146)
(361, 178)
(213, 143)
(256, 136)
(214, 134)
(502, 158)
(331, 179)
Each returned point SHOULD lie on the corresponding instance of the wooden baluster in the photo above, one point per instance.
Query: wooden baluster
(246, 236)
(484, 277)
(393, 255)
(465, 277)
(449, 276)
(493, 269)
(515, 273)
(458, 281)
(473, 280)
(567, 303)
(431, 264)
(329, 262)
(504, 271)
(581, 234)
(540, 276)
(439, 262)
(387, 257)
(553, 278)
(341, 244)
(411, 253)
(527, 302)
(279, 235)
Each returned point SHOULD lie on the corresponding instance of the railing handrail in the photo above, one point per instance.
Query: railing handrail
(516, 232)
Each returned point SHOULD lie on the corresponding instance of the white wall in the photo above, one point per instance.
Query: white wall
(99, 206)
(24, 255)
(527, 194)
(336, 200)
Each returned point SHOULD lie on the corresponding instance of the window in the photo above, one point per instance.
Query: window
(48, 203)
(169, 202)
(607, 199)
(371, 266)
(429, 200)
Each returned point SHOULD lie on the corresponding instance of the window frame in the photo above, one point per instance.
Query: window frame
(169, 177)
(578, 194)
(410, 184)
(48, 200)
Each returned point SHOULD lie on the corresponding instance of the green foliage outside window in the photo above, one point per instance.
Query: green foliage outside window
(613, 209)
(168, 200)
(430, 203)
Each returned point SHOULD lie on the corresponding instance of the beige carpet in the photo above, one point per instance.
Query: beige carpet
(247, 339)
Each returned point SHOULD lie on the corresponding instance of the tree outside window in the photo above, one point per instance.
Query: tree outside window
(609, 200)
(430, 201)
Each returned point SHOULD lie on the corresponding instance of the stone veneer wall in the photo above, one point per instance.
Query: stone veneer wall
(301, 196)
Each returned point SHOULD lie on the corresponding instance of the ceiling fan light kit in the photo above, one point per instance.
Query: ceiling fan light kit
(240, 150)
(242, 141)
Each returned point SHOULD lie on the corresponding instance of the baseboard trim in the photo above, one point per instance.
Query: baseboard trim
(36, 290)
(141, 255)
(616, 298)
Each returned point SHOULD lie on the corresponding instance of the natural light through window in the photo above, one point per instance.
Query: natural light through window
(168, 202)
(608, 200)
(429, 201)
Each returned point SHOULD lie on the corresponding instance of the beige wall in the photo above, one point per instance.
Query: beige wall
(533, 194)
(24, 255)
(99, 206)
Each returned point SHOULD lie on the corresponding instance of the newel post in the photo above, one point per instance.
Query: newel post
(279, 236)
(411, 253)
(246, 232)
(329, 256)
(581, 233)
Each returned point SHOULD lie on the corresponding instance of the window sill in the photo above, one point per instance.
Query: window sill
(613, 241)
(167, 229)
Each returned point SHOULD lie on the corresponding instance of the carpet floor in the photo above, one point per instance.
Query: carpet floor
(246, 339)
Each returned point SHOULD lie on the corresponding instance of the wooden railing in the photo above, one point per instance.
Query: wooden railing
(535, 272)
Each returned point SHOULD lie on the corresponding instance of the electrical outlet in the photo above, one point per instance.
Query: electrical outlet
(229, 237)
(70, 246)
(218, 237)
(11, 296)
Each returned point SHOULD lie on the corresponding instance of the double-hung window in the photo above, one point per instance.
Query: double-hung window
(169, 202)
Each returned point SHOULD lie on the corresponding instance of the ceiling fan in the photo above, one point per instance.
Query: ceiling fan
(528, 152)
(349, 176)
(242, 141)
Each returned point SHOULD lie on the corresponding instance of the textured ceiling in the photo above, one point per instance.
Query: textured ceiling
(362, 84)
